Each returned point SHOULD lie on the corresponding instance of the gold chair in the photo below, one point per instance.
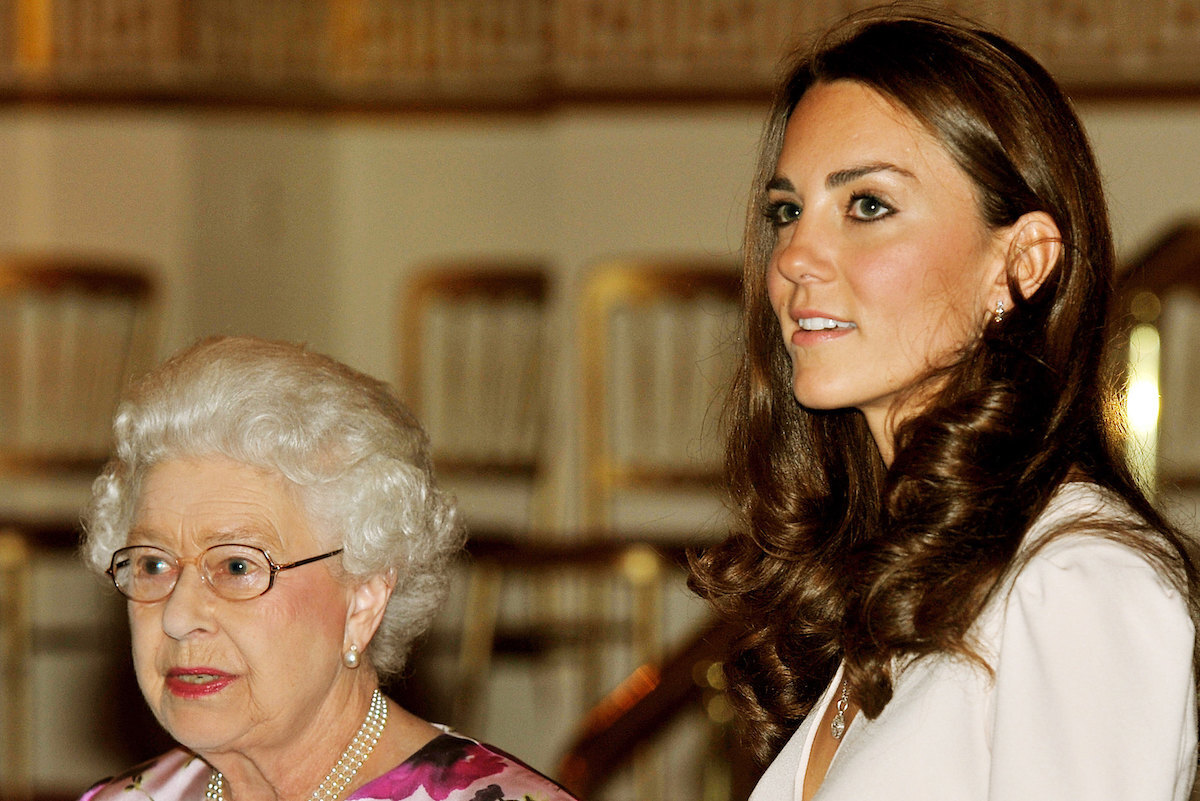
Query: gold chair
(653, 699)
(14, 644)
(655, 360)
(1159, 299)
(472, 350)
(558, 628)
(472, 347)
(71, 332)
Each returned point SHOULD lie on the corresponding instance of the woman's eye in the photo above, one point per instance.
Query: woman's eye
(238, 567)
(154, 566)
(781, 213)
(868, 207)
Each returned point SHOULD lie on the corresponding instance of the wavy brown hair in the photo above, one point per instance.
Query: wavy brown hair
(835, 555)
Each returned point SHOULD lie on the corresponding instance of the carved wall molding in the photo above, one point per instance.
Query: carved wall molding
(480, 53)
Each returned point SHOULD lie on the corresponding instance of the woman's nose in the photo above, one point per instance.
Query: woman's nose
(188, 609)
(804, 252)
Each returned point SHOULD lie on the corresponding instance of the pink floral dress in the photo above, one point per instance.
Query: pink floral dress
(448, 768)
(453, 768)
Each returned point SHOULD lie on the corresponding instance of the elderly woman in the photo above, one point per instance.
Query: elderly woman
(271, 516)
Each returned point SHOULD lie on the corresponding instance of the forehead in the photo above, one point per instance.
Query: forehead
(848, 121)
(208, 500)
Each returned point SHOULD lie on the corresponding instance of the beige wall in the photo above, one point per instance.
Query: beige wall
(1150, 156)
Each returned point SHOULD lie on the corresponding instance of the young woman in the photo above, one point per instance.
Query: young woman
(952, 587)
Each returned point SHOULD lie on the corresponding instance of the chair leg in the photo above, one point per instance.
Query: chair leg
(644, 571)
(475, 648)
(15, 766)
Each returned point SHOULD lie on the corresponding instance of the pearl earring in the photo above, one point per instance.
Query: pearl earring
(350, 658)
(998, 314)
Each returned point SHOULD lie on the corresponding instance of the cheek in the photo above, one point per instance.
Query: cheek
(295, 643)
(928, 303)
(142, 625)
(893, 282)
(145, 636)
(777, 290)
(309, 616)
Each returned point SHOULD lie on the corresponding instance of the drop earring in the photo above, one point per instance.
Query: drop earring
(998, 314)
(350, 658)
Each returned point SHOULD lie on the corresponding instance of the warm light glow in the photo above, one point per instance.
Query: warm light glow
(1142, 403)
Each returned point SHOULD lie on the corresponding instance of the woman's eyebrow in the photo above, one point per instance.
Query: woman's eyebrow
(255, 536)
(142, 535)
(781, 184)
(843, 177)
(240, 534)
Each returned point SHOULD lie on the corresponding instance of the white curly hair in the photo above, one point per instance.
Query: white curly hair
(356, 454)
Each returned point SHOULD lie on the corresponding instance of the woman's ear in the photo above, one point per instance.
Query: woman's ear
(368, 601)
(1034, 246)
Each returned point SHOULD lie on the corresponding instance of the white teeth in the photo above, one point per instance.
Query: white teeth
(821, 324)
(196, 678)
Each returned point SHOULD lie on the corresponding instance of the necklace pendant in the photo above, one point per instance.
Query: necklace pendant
(837, 727)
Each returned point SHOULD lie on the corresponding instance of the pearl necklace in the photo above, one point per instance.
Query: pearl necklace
(342, 773)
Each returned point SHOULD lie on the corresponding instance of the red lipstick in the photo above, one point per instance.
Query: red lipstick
(197, 682)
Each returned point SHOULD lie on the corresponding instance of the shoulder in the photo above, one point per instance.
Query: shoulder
(454, 768)
(1087, 562)
(173, 775)
(1080, 506)
(1086, 568)
(1088, 531)
(1092, 630)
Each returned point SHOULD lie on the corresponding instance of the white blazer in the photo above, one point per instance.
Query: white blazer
(1093, 695)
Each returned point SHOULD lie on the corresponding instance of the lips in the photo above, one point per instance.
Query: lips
(197, 682)
(815, 328)
(822, 324)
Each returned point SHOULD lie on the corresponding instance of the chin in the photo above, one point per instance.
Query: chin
(199, 727)
(197, 734)
(817, 401)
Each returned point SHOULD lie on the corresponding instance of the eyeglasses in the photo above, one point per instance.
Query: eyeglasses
(234, 572)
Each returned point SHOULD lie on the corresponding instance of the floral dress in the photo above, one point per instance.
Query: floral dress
(453, 768)
(448, 768)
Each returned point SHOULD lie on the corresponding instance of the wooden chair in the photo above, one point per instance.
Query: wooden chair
(15, 636)
(655, 361)
(651, 700)
(558, 627)
(72, 330)
(1159, 301)
(473, 352)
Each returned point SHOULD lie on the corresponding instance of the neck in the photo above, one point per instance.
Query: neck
(294, 771)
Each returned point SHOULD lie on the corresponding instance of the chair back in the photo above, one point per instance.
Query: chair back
(657, 358)
(471, 350)
(71, 333)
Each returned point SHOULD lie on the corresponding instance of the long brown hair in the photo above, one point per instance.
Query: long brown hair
(835, 556)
